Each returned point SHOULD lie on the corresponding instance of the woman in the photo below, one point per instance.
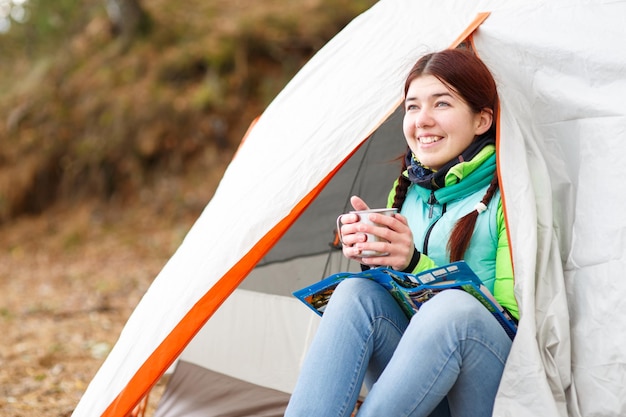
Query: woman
(449, 357)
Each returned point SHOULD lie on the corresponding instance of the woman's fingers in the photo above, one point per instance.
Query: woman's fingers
(358, 203)
(393, 230)
(397, 241)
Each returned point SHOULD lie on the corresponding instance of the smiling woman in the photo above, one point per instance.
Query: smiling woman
(438, 123)
(449, 210)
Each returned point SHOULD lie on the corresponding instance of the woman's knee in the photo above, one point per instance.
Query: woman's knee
(353, 294)
(452, 304)
(355, 289)
(458, 315)
(364, 298)
(451, 312)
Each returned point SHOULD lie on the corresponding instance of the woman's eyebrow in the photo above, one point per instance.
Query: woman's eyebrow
(434, 95)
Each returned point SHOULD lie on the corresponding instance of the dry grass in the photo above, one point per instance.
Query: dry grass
(70, 279)
(62, 310)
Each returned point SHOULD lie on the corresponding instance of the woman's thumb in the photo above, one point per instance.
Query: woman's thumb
(358, 203)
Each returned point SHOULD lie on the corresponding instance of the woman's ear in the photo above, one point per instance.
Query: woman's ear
(484, 119)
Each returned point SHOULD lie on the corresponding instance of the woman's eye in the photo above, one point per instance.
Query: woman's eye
(411, 107)
(442, 104)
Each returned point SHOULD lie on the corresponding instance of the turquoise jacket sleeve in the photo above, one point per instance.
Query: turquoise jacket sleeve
(503, 289)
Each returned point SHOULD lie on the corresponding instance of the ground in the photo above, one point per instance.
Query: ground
(69, 280)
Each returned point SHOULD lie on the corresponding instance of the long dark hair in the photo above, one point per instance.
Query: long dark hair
(464, 73)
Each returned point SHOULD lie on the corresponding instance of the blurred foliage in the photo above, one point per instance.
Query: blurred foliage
(47, 25)
(87, 116)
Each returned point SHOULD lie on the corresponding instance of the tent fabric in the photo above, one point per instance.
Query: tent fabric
(563, 118)
(560, 74)
(368, 173)
(255, 337)
(195, 391)
(304, 254)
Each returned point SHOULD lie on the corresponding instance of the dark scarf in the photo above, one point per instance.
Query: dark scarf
(433, 180)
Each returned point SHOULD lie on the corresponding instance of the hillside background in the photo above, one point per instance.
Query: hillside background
(111, 146)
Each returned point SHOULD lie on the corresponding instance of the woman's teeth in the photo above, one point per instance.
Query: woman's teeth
(429, 139)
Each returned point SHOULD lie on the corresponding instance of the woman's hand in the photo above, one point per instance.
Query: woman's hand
(394, 230)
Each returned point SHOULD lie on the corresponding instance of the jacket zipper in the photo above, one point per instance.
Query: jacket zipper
(432, 201)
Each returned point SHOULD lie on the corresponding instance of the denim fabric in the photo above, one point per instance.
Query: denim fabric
(451, 353)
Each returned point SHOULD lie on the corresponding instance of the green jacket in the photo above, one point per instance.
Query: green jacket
(432, 215)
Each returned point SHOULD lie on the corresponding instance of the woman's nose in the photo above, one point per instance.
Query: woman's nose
(423, 118)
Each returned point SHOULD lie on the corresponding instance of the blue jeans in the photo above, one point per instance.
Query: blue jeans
(447, 360)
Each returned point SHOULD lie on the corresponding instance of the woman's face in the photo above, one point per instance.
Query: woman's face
(438, 123)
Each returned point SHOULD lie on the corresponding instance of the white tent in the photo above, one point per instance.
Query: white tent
(273, 330)
(560, 69)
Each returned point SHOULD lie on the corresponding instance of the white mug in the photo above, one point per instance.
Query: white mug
(364, 218)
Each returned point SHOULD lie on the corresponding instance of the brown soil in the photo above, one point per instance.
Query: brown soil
(70, 279)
